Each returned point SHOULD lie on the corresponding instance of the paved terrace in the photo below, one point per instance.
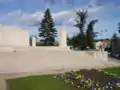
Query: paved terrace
(39, 61)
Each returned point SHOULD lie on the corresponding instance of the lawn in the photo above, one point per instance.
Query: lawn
(115, 70)
(46, 82)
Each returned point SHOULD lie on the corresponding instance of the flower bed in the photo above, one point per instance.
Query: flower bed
(91, 79)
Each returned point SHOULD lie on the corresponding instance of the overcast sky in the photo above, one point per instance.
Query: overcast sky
(28, 14)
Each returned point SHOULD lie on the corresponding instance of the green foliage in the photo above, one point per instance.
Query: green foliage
(114, 39)
(47, 30)
(114, 70)
(91, 34)
(118, 27)
(115, 42)
(81, 20)
(77, 41)
(68, 40)
(44, 82)
(82, 40)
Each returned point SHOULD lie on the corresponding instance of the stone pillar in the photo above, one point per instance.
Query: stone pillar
(105, 56)
(0, 37)
(101, 55)
(63, 39)
(33, 41)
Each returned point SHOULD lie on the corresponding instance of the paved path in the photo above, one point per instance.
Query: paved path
(30, 62)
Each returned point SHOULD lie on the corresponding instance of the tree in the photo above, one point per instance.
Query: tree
(81, 21)
(47, 30)
(115, 39)
(118, 27)
(90, 33)
(114, 42)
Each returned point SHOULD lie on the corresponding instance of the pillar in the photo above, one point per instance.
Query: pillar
(63, 39)
(105, 56)
(33, 41)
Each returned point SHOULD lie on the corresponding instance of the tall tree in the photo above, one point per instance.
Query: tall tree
(47, 30)
(81, 21)
(114, 42)
(118, 27)
(90, 33)
(115, 39)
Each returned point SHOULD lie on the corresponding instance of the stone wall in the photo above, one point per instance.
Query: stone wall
(13, 37)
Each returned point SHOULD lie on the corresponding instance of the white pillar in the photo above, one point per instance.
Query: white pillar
(0, 37)
(63, 39)
(105, 56)
(33, 41)
(101, 55)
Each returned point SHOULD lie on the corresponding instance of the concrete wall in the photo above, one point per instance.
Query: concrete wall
(38, 60)
(13, 37)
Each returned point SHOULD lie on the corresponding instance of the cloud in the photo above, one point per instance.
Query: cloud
(31, 21)
(105, 3)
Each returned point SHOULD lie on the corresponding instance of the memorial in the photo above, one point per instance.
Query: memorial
(63, 39)
(14, 37)
(33, 41)
(100, 54)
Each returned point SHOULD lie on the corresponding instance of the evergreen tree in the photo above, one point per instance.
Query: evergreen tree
(47, 30)
(118, 27)
(90, 34)
(114, 42)
(115, 39)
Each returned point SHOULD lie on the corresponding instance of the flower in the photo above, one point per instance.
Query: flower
(78, 77)
(74, 70)
(118, 84)
(106, 87)
(82, 79)
(111, 87)
(99, 89)
(106, 72)
(72, 83)
(78, 86)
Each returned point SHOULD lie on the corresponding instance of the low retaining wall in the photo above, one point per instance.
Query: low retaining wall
(40, 60)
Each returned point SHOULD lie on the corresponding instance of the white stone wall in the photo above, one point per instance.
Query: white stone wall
(13, 37)
(38, 60)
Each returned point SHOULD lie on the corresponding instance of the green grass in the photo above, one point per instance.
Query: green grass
(45, 82)
(115, 70)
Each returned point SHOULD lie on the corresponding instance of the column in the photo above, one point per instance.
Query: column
(63, 39)
(105, 56)
(33, 41)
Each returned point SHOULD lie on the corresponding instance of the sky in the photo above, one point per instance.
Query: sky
(28, 14)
